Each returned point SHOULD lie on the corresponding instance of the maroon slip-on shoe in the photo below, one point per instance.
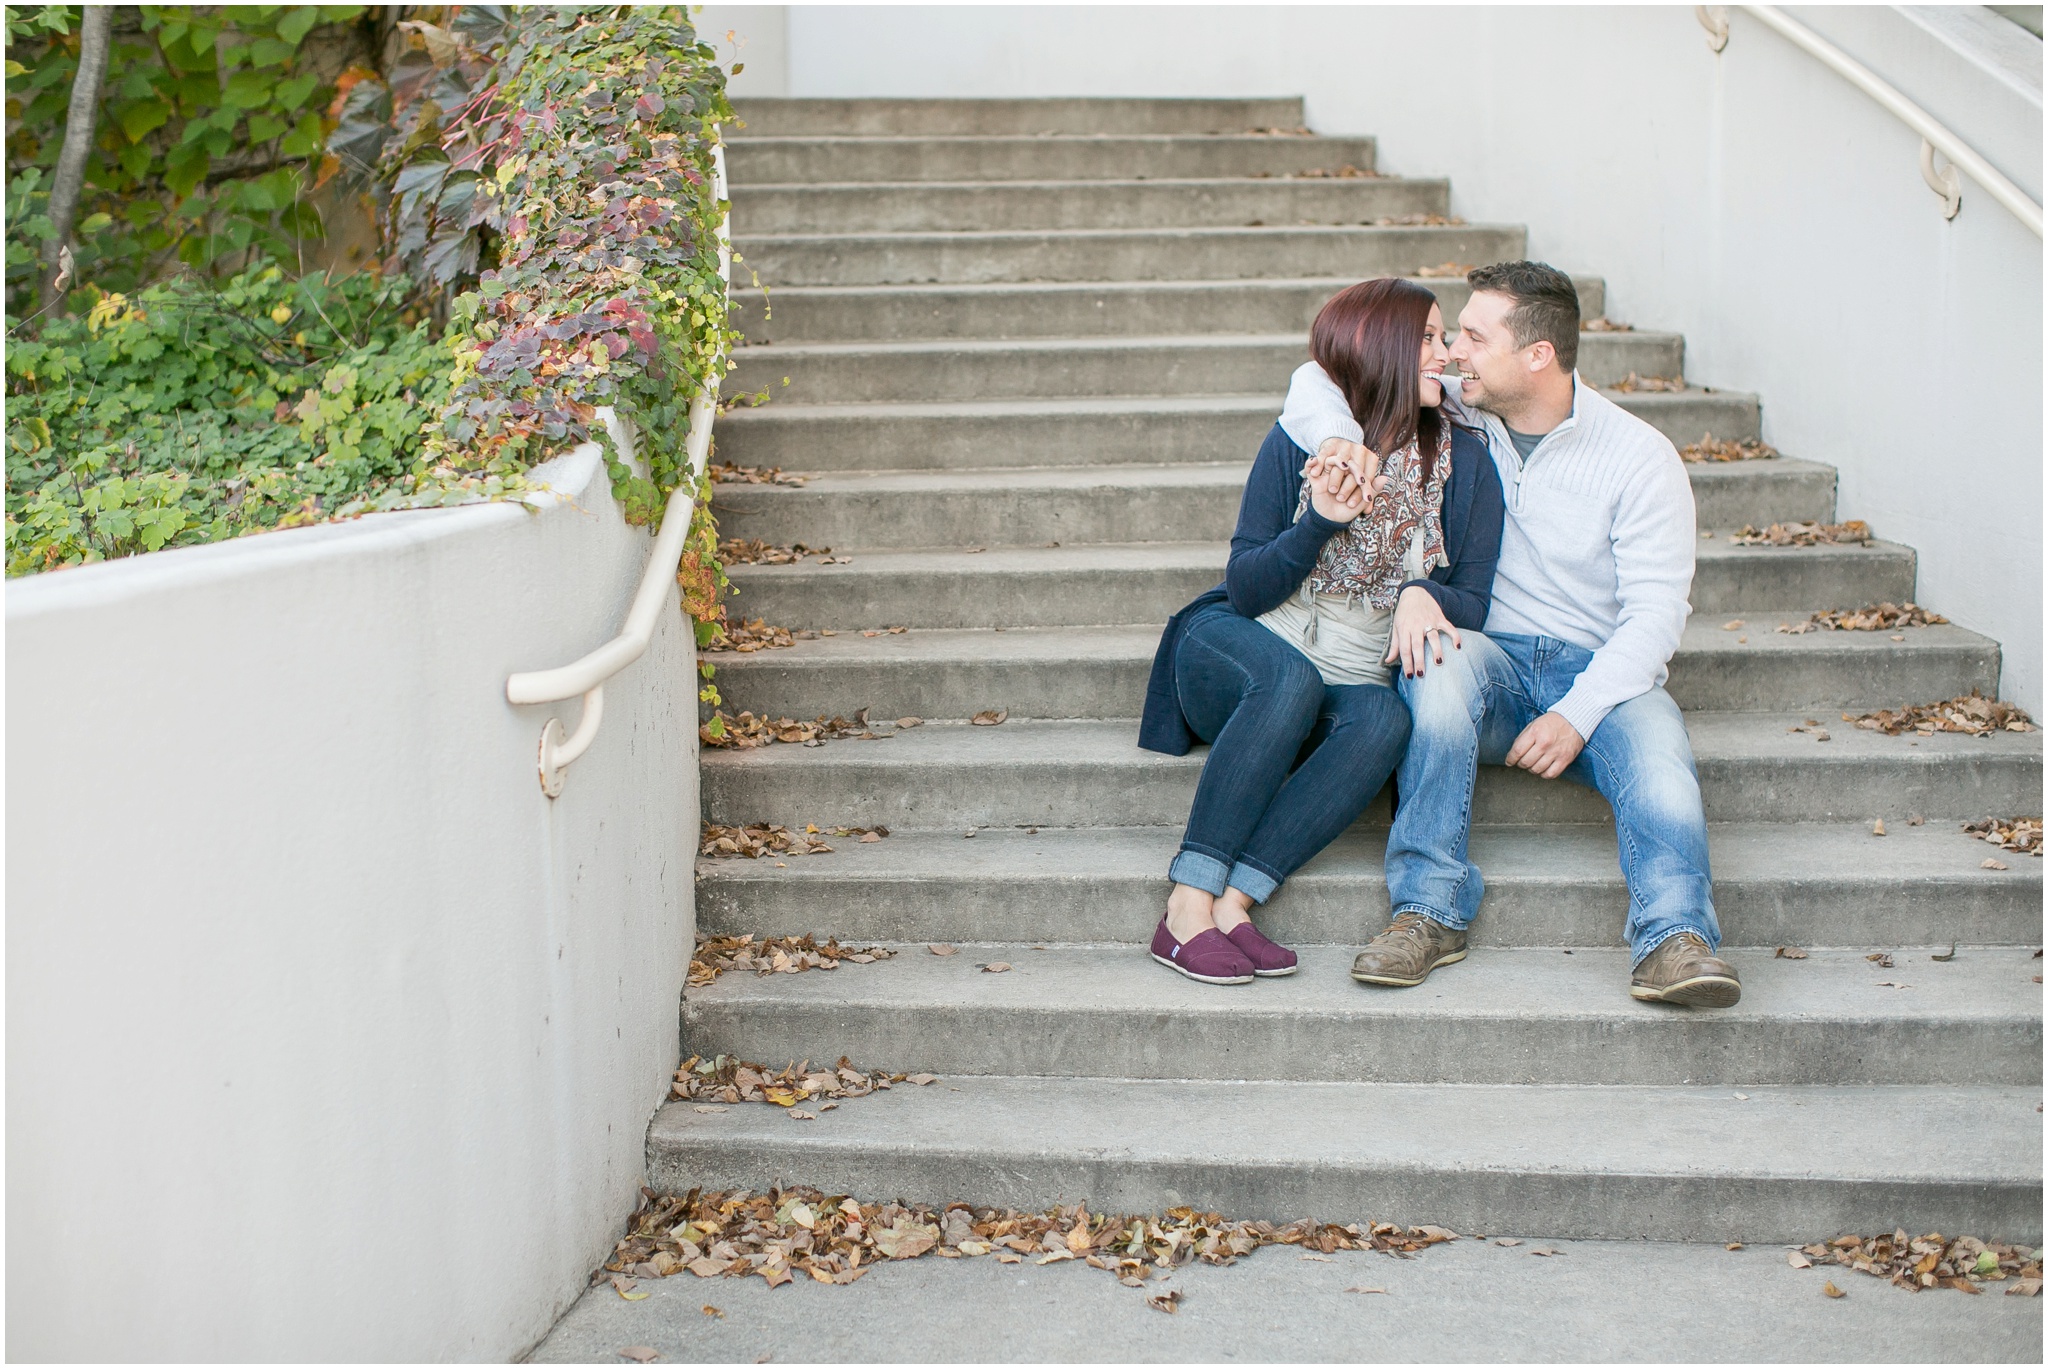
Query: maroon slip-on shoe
(1269, 958)
(1209, 956)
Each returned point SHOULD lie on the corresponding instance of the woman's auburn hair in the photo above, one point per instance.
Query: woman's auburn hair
(1367, 339)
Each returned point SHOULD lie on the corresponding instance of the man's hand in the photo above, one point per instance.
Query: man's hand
(1546, 747)
(1419, 631)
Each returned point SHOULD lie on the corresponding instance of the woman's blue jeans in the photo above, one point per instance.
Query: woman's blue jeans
(1292, 761)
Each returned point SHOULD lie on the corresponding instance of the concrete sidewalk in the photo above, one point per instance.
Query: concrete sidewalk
(1594, 1300)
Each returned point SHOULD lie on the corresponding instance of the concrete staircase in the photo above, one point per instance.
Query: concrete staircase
(1030, 348)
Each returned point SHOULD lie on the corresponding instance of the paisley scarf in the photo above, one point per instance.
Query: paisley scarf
(1368, 559)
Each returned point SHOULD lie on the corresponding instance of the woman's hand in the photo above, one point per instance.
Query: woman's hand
(1419, 631)
(1343, 480)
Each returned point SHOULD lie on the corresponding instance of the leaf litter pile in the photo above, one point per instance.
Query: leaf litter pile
(773, 839)
(750, 730)
(789, 1231)
(1604, 324)
(737, 551)
(1883, 617)
(1971, 713)
(1963, 1263)
(753, 634)
(1711, 448)
(717, 955)
(2009, 834)
(727, 473)
(1855, 532)
(727, 1079)
(1638, 384)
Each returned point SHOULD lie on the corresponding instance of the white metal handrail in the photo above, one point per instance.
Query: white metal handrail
(1934, 135)
(587, 675)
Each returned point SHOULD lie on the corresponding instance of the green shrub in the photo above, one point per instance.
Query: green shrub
(191, 413)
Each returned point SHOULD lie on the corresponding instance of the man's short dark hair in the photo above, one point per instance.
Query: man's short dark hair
(1546, 305)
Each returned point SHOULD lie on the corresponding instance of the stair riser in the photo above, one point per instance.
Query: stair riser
(856, 784)
(808, 596)
(1022, 205)
(776, 684)
(845, 439)
(1380, 1046)
(1147, 309)
(1027, 515)
(1066, 372)
(1219, 254)
(1347, 908)
(811, 161)
(823, 117)
(1576, 1206)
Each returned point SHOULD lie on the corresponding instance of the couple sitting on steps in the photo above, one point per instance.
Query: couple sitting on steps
(1389, 518)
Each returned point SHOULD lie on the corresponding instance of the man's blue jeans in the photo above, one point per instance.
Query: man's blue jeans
(1266, 712)
(1470, 709)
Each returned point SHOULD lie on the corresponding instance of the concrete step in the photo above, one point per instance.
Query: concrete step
(1036, 157)
(1091, 254)
(1148, 582)
(1035, 309)
(1469, 1301)
(772, 117)
(1092, 774)
(1084, 432)
(1073, 505)
(1792, 884)
(1235, 202)
(1780, 1165)
(1501, 1016)
(1100, 672)
(1071, 368)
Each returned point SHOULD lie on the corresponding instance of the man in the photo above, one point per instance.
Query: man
(1596, 565)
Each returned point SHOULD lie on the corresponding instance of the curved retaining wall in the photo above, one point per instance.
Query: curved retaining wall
(328, 1035)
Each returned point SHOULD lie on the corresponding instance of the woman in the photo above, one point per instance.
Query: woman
(1336, 576)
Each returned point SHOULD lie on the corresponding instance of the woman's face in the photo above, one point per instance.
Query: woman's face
(1434, 357)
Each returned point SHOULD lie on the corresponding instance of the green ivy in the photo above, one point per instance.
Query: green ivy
(192, 413)
(211, 136)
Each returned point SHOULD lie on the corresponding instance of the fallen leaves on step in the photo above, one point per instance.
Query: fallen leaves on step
(1971, 714)
(943, 949)
(1711, 448)
(1168, 1302)
(1790, 953)
(753, 634)
(1444, 271)
(747, 731)
(727, 473)
(1604, 325)
(642, 1354)
(739, 551)
(759, 839)
(1418, 221)
(717, 955)
(1931, 1261)
(835, 1239)
(883, 631)
(2009, 834)
(1870, 618)
(996, 967)
(1367, 1290)
(1855, 532)
(1546, 1250)
(990, 717)
(729, 1079)
(1832, 1291)
(1877, 828)
(1635, 384)
(1346, 172)
(1882, 959)
(1990, 863)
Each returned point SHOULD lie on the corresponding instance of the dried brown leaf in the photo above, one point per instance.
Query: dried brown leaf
(1991, 864)
(990, 717)
(1798, 1260)
(1790, 953)
(642, 1354)
(1633, 383)
(1709, 449)
(726, 473)
(1168, 1302)
(1853, 532)
(1832, 1291)
(943, 949)
(996, 967)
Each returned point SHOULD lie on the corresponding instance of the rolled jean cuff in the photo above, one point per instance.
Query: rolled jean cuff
(1198, 871)
(1713, 942)
(1254, 881)
(1440, 919)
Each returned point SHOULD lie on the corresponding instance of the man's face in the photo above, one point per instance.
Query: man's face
(1497, 373)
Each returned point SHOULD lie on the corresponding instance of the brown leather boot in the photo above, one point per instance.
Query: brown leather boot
(1403, 955)
(1683, 970)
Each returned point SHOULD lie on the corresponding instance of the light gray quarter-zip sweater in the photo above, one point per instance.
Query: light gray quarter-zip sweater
(1598, 545)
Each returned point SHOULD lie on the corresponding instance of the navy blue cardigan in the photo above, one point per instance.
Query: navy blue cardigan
(1272, 553)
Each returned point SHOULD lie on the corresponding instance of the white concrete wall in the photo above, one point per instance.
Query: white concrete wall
(328, 1036)
(1754, 201)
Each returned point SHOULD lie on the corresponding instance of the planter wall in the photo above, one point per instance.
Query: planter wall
(328, 1035)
